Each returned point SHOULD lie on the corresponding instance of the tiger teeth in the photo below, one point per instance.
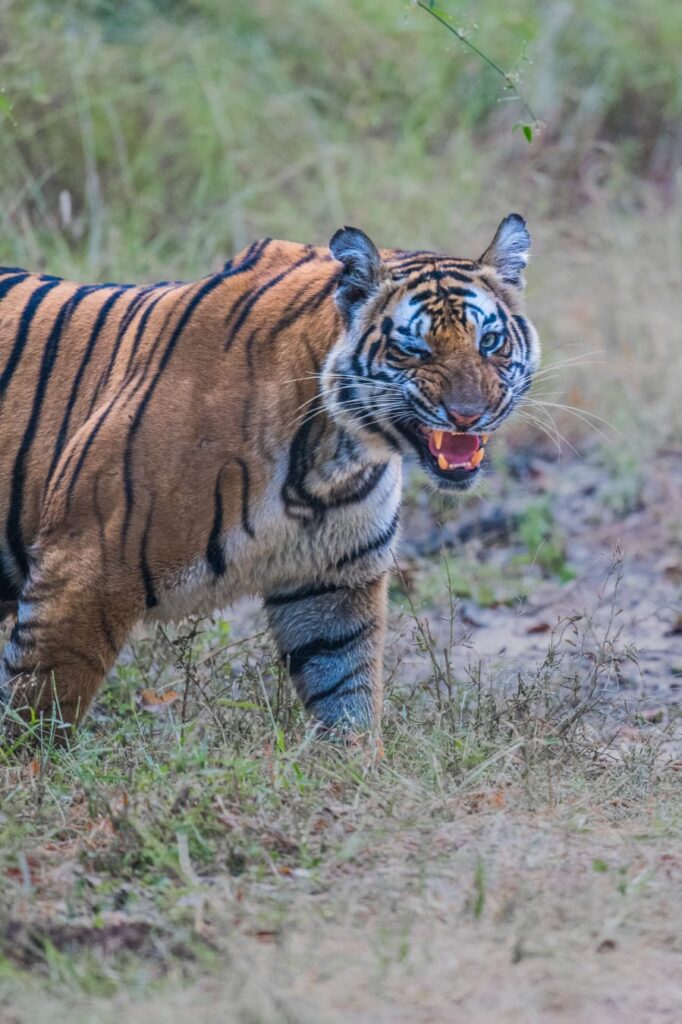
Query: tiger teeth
(438, 440)
(442, 461)
(477, 458)
(484, 438)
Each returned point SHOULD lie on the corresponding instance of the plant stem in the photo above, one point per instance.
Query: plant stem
(510, 84)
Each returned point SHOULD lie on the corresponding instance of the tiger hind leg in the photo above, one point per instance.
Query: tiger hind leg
(63, 643)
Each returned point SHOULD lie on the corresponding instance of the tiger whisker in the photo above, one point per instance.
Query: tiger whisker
(582, 414)
(549, 429)
(554, 427)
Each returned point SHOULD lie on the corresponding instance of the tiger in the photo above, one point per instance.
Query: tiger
(166, 449)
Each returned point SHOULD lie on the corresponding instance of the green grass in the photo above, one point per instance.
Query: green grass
(139, 859)
(208, 860)
(149, 138)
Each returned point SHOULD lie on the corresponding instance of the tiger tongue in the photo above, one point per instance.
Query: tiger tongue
(457, 448)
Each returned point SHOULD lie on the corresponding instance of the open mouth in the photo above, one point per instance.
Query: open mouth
(453, 458)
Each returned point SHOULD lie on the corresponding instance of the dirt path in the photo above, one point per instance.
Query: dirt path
(614, 533)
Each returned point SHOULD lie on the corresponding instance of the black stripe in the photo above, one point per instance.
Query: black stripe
(295, 493)
(75, 386)
(14, 528)
(520, 323)
(209, 285)
(103, 416)
(294, 313)
(130, 311)
(99, 423)
(246, 525)
(27, 315)
(356, 362)
(404, 267)
(8, 591)
(258, 294)
(315, 698)
(144, 319)
(300, 656)
(307, 306)
(302, 594)
(371, 424)
(21, 637)
(372, 481)
(379, 542)
(6, 286)
(134, 427)
(12, 670)
(440, 275)
(215, 555)
(416, 399)
(151, 599)
(251, 256)
(142, 372)
(372, 352)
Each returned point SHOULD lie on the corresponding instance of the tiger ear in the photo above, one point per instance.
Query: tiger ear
(508, 252)
(361, 265)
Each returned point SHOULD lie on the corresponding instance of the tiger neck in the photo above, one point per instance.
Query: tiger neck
(329, 467)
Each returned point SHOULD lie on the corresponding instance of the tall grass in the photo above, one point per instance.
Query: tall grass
(148, 137)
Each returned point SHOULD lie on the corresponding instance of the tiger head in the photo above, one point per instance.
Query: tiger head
(436, 352)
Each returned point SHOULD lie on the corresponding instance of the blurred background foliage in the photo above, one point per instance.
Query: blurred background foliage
(148, 135)
(146, 139)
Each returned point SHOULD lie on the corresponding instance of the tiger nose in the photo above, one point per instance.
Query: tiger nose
(460, 420)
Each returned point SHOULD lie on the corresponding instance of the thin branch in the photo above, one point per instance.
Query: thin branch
(507, 79)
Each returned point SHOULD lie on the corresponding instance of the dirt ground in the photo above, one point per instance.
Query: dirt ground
(617, 534)
(509, 858)
(597, 528)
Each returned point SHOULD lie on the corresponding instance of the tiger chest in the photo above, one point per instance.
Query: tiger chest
(343, 541)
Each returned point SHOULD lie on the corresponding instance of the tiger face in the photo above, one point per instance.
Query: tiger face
(436, 353)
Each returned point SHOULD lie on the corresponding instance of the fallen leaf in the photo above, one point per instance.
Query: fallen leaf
(539, 627)
(152, 701)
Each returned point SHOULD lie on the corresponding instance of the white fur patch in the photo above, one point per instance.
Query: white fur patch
(409, 315)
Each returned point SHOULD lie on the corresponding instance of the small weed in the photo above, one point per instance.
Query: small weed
(544, 543)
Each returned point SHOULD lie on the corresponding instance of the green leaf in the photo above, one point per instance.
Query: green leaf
(527, 130)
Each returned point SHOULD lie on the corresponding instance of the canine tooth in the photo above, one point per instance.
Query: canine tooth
(477, 458)
(443, 462)
(484, 438)
(438, 440)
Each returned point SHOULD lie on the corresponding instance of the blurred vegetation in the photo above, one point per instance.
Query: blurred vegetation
(147, 137)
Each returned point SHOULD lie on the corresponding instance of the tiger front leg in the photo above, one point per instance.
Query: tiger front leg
(332, 638)
(69, 630)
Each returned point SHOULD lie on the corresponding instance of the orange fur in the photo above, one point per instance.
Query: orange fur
(146, 436)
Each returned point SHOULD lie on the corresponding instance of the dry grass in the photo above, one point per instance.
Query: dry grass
(515, 853)
(211, 856)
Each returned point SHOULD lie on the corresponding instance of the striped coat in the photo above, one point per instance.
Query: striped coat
(166, 449)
